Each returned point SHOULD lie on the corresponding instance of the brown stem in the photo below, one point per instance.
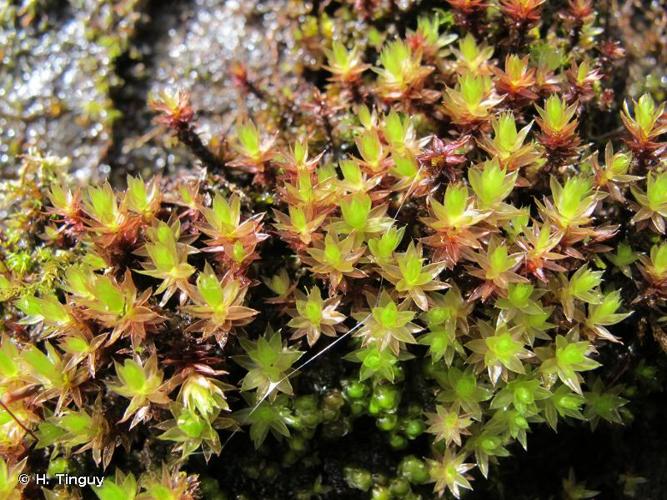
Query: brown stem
(519, 38)
(575, 36)
(328, 129)
(193, 142)
(16, 419)
(256, 91)
(288, 107)
(187, 135)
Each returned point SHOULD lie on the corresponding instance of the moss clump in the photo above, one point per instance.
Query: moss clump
(428, 245)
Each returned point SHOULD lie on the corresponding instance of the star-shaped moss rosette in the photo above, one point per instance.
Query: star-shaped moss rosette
(443, 230)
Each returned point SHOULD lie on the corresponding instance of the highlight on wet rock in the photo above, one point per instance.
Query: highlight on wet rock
(341, 249)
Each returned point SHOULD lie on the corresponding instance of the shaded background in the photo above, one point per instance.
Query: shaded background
(75, 78)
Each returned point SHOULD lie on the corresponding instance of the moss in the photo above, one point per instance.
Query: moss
(395, 260)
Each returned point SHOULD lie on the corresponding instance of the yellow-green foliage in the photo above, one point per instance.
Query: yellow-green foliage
(458, 267)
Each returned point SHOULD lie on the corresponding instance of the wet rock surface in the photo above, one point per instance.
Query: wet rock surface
(76, 78)
(191, 46)
(57, 66)
(75, 81)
